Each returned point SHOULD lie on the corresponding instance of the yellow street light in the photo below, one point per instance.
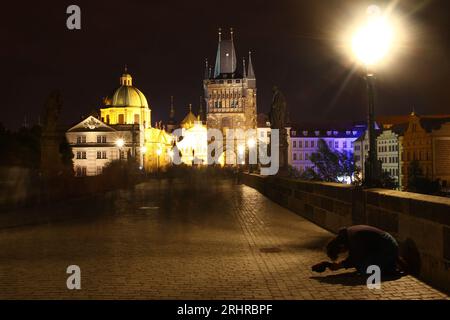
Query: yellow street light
(158, 152)
(251, 143)
(120, 143)
(241, 149)
(373, 40)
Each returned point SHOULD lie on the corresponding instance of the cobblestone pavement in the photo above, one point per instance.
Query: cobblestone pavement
(208, 239)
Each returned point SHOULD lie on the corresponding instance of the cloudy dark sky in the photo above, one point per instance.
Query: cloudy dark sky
(164, 44)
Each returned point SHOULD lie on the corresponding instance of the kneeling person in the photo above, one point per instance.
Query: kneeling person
(366, 246)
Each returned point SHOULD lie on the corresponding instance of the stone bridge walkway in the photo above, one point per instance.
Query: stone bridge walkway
(205, 239)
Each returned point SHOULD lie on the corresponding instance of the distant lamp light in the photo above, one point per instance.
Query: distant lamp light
(251, 143)
(120, 143)
(241, 149)
(158, 152)
(143, 149)
(373, 40)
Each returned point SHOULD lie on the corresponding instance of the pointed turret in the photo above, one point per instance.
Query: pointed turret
(201, 114)
(233, 55)
(206, 75)
(244, 70)
(251, 72)
(171, 123)
(217, 70)
(172, 110)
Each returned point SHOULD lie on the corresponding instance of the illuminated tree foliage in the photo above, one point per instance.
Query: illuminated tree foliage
(330, 165)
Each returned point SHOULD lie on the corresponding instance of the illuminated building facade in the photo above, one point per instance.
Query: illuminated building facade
(193, 143)
(427, 141)
(122, 130)
(389, 144)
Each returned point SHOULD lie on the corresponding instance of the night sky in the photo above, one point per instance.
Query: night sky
(295, 45)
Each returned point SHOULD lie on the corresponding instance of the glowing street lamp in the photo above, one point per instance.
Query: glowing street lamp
(241, 149)
(373, 40)
(251, 143)
(120, 143)
(158, 152)
(370, 44)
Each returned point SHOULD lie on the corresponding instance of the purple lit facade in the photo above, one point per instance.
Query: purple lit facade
(304, 142)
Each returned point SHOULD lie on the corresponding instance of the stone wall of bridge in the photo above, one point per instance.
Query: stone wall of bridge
(420, 223)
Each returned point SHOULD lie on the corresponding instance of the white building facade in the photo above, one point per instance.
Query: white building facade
(389, 151)
(95, 144)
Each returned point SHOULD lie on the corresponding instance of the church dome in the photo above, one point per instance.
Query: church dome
(127, 95)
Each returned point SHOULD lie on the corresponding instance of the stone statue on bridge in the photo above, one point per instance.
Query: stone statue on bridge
(278, 117)
(51, 164)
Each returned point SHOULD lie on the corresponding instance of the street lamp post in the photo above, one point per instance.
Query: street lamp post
(372, 169)
(371, 43)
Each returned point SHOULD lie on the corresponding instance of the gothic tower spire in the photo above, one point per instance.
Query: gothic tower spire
(244, 70)
(206, 69)
(200, 109)
(172, 110)
(233, 58)
(251, 72)
(217, 70)
(171, 125)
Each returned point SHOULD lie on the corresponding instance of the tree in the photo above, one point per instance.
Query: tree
(329, 165)
(387, 181)
(417, 182)
(67, 156)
